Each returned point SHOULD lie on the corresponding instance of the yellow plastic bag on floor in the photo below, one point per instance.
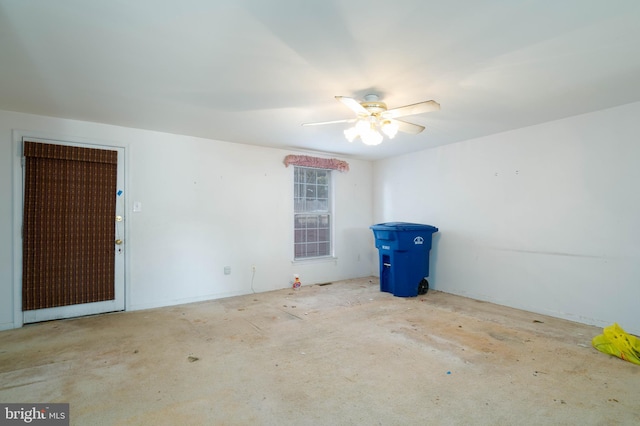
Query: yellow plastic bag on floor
(615, 341)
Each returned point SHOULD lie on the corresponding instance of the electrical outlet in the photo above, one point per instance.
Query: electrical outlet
(253, 268)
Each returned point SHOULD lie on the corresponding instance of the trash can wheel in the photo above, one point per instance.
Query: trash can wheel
(423, 287)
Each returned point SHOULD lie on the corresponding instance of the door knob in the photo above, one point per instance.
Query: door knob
(118, 241)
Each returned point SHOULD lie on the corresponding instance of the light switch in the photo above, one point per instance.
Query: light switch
(137, 206)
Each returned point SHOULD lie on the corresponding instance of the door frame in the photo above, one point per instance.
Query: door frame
(18, 195)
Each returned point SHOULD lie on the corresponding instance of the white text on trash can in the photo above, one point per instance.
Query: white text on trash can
(418, 240)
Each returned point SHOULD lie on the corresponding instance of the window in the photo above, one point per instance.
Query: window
(312, 211)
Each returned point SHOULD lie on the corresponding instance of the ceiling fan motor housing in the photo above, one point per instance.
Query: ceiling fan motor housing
(373, 105)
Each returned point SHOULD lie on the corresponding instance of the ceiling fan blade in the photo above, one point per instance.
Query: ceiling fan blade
(411, 128)
(351, 120)
(413, 109)
(353, 105)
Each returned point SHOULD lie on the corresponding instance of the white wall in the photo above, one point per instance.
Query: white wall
(544, 218)
(205, 205)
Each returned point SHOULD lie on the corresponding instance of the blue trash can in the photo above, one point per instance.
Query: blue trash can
(404, 257)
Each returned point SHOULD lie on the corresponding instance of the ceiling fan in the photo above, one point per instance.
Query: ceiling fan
(372, 116)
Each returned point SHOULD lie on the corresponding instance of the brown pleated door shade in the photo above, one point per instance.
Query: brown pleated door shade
(68, 225)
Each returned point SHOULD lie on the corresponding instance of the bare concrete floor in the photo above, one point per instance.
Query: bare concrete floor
(339, 354)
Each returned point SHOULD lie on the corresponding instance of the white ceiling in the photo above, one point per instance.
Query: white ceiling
(252, 71)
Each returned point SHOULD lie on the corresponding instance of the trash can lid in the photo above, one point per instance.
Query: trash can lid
(403, 226)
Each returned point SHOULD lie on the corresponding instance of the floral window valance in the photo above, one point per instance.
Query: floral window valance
(320, 163)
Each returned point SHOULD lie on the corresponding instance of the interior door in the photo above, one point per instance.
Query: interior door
(73, 230)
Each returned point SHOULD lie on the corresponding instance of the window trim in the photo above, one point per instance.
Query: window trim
(330, 212)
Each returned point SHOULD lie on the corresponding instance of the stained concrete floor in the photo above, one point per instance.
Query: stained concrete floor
(338, 354)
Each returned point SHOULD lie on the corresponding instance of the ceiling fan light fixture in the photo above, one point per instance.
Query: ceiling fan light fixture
(351, 134)
(371, 137)
(389, 128)
(367, 129)
(362, 126)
